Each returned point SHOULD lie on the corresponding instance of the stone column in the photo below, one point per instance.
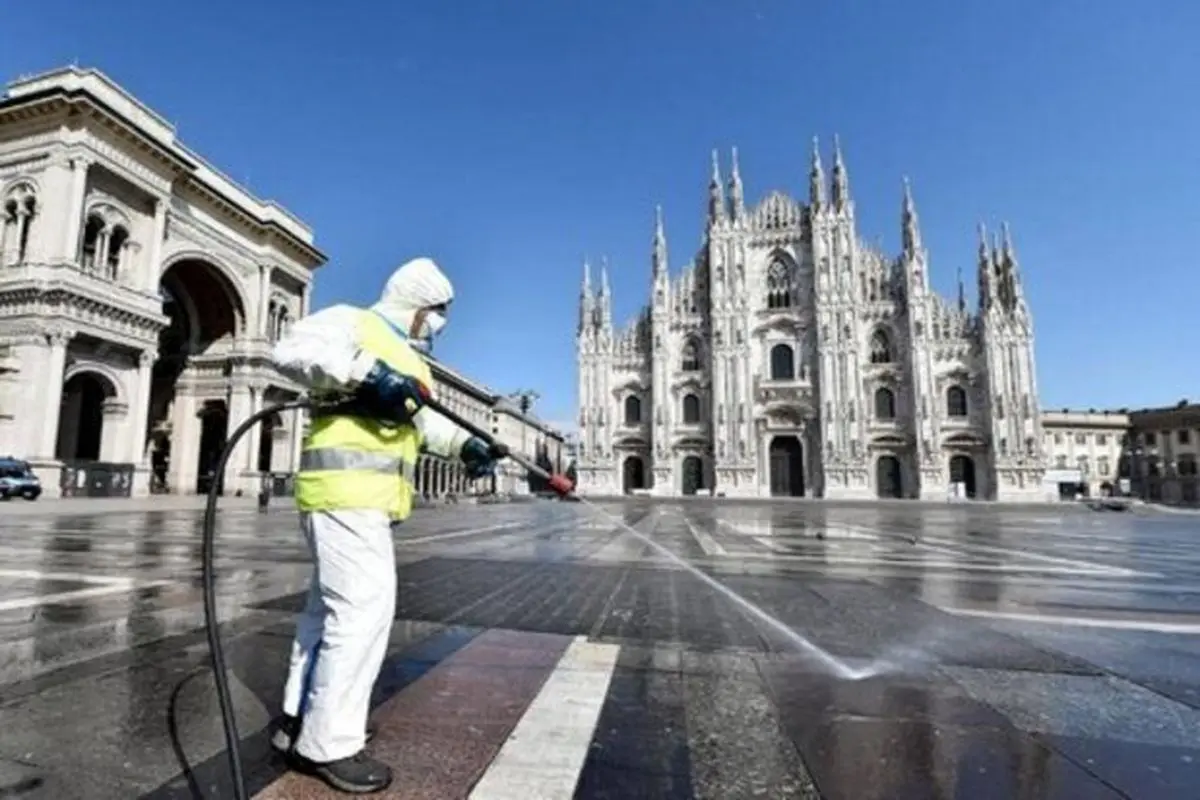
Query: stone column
(116, 440)
(185, 441)
(305, 299)
(297, 440)
(264, 300)
(140, 423)
(242, 400)
(73, 224)
(152, 266)
(52, 386)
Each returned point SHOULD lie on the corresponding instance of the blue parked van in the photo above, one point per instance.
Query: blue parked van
(18, 480)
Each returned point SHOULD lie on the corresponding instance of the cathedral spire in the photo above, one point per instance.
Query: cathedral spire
(1008, 262)
(962, 293)
(736, 194)
(659, 257)
(605, 299)
(816, 178)
(716, 193)
(911, 227)
(586, 300)
(983, 274)
(841, 181)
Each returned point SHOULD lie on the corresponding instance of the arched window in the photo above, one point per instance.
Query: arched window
(633, 410)
(690, 359)
(881, 348)
(19, 209)
(691, 409)
(956, 402)
(779, 285)
(783, 363)
(92, 229)
(116, 246)
(885, 403)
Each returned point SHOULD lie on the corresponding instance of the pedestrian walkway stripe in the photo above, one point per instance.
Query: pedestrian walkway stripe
(438, 537)
(545, 753)
(1157, 626)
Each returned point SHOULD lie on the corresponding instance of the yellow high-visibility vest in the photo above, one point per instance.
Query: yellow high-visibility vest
(350, 462)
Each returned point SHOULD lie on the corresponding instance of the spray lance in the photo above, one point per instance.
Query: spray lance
(560, 484)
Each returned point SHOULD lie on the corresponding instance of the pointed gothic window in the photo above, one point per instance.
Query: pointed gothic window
(956, 402)
(885, 403)
(690, 360)
(633, 410)
(779, 285)
(783, 363)
(881, 348)
(691, 409)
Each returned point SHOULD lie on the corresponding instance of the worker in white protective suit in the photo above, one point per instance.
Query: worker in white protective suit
(356, 476)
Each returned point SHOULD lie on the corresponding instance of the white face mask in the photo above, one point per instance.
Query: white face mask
(432, 324)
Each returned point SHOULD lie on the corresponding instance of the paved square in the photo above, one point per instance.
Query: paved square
(645, 649)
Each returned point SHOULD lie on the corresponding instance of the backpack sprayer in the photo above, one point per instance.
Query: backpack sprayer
(559, 484)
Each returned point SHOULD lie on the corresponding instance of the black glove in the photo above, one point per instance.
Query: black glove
(390, 396)
(480, 457)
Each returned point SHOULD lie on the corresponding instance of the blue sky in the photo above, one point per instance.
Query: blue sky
(507, 139)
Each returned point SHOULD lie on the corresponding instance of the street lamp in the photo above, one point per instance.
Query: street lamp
(523, 399)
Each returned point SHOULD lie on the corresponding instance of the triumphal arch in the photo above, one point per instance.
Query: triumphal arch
(140, 293)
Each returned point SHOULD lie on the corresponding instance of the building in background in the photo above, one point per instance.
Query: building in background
(523, 433)
(1083, 452)
(141, 292)
(789, 357)
(1161, 453)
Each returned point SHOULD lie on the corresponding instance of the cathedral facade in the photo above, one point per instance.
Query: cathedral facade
(789, 358)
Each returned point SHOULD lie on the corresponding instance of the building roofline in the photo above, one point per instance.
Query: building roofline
(73, 85)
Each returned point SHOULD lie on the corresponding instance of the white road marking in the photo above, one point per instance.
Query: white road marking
(968, 546)
(73, 577)
(834, 560)
(437, 537)
(623, 547)
(1083, 622)
(708, 544)
(545, 753)
(70, 597)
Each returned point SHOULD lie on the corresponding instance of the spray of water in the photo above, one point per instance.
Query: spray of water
(890, 662)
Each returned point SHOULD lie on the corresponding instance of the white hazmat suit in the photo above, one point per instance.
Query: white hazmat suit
(342, 634)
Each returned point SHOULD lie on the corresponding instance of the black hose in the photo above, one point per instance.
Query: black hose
(211, 625)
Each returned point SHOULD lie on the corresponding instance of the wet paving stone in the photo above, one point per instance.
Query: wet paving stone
(839, 660)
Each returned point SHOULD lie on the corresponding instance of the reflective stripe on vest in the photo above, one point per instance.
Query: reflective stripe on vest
(352, 462)
(329, 459)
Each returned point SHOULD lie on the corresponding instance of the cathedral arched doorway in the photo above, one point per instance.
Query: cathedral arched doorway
(81, 417)
(962, 470)
(787, 466)
(693, 474)
(633, 474)
(205, 312)
(888, 481)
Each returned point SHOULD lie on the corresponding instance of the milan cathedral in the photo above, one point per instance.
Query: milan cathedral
(790, 358)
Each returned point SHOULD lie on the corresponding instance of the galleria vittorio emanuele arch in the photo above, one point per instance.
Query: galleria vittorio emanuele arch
(140, 293)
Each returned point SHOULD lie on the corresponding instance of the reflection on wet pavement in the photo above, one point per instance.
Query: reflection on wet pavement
(543, 650)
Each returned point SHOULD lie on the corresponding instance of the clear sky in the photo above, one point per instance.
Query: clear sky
(507, 139)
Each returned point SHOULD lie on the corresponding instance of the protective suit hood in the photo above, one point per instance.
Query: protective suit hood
(418, 284)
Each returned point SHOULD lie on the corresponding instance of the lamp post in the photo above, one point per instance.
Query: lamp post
(524, 400)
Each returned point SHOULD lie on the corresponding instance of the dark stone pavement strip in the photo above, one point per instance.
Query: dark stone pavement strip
(443, 731)
(109, 735)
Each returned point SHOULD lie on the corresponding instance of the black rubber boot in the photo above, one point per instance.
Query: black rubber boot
(358, 774)
(287, 731)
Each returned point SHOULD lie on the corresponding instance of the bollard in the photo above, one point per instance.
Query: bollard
(264, 494)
